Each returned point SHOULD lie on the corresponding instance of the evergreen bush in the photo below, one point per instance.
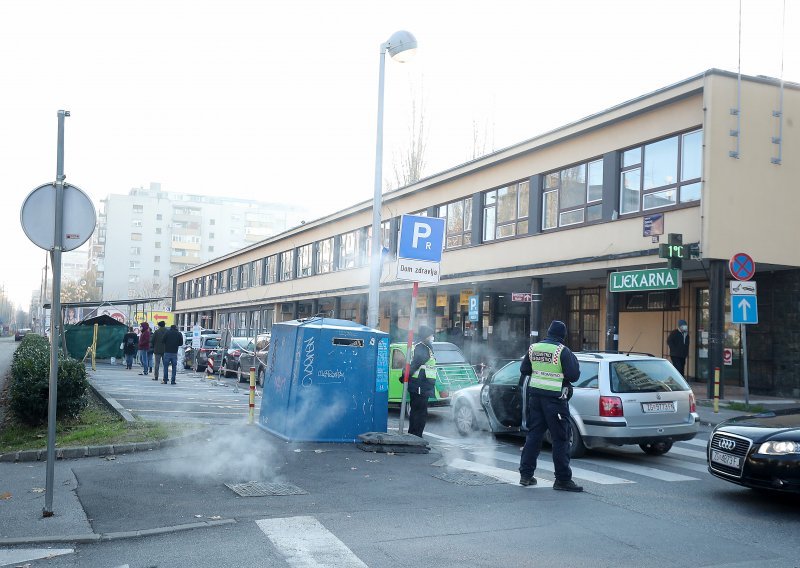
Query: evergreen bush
(30, 376)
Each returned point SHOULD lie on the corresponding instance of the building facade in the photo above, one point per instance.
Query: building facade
(712, 158)
(147, 235)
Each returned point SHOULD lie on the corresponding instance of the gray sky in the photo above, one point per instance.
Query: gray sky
(276, 100)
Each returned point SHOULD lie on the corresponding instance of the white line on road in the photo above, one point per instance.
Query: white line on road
(182, 412)
(8, 557)
(577, 472)
(688, 453)
(696, 442)
(504, 475)
(640, 470)
(305, 542)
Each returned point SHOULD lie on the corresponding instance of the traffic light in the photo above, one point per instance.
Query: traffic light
(673, 251)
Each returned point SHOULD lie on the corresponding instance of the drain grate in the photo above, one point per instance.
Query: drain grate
(466, 478)
(264, 489)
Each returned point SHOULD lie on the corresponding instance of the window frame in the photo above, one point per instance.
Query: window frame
(455, 238)
(287, 268)
(305, 261)
(553, 187)
(491, 228)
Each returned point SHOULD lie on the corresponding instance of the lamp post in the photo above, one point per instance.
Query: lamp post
(400, 47)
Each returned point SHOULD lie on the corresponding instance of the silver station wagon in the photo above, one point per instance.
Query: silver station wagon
(620, 399)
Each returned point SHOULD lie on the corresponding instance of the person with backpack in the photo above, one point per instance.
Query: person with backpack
(129, 342)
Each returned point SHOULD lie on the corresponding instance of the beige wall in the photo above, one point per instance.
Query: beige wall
(750, 204)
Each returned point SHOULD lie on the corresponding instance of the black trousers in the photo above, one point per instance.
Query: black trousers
(680, 364)
(546, 413)
(419, 412)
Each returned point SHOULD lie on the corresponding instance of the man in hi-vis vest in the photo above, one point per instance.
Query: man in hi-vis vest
(549, 367)
(423, 380)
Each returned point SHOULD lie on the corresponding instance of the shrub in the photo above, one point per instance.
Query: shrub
(30, 376)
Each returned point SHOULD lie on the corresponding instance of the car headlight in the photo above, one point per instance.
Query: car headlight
(779, 448)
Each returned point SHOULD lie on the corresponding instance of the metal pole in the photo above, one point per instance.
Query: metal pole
(375, 258)
(409, 355)
(744, 361)
(55, 318)
(252, 403)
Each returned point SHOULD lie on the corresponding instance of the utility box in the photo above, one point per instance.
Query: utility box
(326, 380)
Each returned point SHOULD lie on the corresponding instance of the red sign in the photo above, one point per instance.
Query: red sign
(727, 356)
(521, 297)
(742, 266)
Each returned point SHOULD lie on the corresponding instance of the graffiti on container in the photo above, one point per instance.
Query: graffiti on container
(280, 383)
(330, 376)
(308, 362)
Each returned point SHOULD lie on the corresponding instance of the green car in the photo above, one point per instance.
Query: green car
(453, 372)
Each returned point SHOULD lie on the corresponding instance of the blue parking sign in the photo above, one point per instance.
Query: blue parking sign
(421, 238)
(474, 314)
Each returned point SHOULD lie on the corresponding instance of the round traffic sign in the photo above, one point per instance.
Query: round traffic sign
(38, 213)
(742, 266)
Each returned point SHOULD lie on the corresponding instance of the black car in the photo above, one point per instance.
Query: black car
(761, 451)
(197, 359)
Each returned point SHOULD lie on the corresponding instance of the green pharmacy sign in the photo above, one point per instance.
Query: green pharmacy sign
(637, 280)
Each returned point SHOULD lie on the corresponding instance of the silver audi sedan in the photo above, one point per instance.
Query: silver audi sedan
(620, 398)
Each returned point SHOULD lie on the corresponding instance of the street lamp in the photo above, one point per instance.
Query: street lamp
(401, 46)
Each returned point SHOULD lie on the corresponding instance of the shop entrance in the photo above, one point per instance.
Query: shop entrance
(583, 319)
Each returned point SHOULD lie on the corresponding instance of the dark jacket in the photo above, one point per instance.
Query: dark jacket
(144, 337)
(157, 340)
(129, 343)
(569, 365)
(172, 340)
(422, 352)
(678, 344)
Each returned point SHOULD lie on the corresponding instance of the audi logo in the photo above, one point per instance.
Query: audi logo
(727, 444)
(658, 397)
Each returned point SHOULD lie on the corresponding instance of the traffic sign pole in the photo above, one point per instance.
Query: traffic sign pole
(743, 330)
(409, 355)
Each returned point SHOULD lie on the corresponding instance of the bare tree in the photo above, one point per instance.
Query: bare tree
(481, 144)
(409, 166)
(153, 288)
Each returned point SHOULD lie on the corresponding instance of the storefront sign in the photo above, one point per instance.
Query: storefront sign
(441, 300)
(521, 297)
(465, 294)
(637, 280)
(422, 301)
(653, 225)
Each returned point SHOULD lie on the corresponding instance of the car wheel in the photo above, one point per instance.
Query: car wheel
(464, 419)
(577, 449)
(223, 369)
(656, 448)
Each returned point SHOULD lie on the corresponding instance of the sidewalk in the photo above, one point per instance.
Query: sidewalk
(733, 394)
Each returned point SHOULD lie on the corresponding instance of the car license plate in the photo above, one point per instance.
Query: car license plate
(725, 459)
(655, 407)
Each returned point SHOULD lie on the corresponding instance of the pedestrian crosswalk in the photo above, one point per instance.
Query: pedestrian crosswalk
(685, 462)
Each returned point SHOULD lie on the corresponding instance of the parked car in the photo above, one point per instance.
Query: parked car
(761, 451)
(231, 353)
(255, 355)
(197, 359)
(20, 333)
(453, 372)
(619, 399)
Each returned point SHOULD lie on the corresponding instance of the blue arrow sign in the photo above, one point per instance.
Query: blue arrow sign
(421, 238)
(744, 309)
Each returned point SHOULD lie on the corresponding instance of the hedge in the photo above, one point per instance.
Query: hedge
(30, 378)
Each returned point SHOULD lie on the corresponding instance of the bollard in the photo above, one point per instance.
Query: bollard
(210, 367)
(716, 390)
(252, 394)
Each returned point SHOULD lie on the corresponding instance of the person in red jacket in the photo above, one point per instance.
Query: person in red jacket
(144, 347)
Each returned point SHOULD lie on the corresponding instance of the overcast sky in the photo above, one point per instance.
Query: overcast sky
(276, 100)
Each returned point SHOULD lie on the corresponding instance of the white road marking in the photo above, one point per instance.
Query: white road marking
(305, 542)
(504, 475)
(577, 472)
(15, 556)
(688, 453)
(640, 470)
(696, 442)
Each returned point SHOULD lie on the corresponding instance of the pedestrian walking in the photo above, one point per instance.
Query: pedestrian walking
(157, 345)
(144, 348)
(173, 339)
(678, 343)
(130, 341)
(549, 367)
(422, 384)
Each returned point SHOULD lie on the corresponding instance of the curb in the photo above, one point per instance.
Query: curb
(104, 537)
(112, 404)
(101, 451)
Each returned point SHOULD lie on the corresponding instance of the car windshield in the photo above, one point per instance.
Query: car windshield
(239, 343)
(508, 375)
(645, 376)
(211, 343)
(447, 354)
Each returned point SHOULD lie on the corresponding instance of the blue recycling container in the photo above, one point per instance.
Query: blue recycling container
(327, 380)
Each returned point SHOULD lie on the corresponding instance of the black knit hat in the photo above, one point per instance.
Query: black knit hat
(162, 323)
(424, 332)
(557, 330)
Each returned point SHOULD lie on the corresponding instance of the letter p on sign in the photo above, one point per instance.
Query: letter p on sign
(421, 231)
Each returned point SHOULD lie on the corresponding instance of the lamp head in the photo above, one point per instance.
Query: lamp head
(401, 46)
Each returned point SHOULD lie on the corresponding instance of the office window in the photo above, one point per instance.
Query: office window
(458, 223)
(156, 273)
(138, 208)
(662, 173)
(211, 248)
(207, 285)
(233, 279)
(505, 211)
(133, 278)
(271, 269)
(159, 217)
(287, 260)
(158, 230)
(573, 195)
(136, 236)
(210, 235)
(158, 244)
(134, 264)
(385, 239)
(136, 251)
(349, 249)
(222, 281)
(305, 260)
(136, 223)
(257, 272)
(156, 259)
(324, 256)
(212, 222)
(244, 276)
